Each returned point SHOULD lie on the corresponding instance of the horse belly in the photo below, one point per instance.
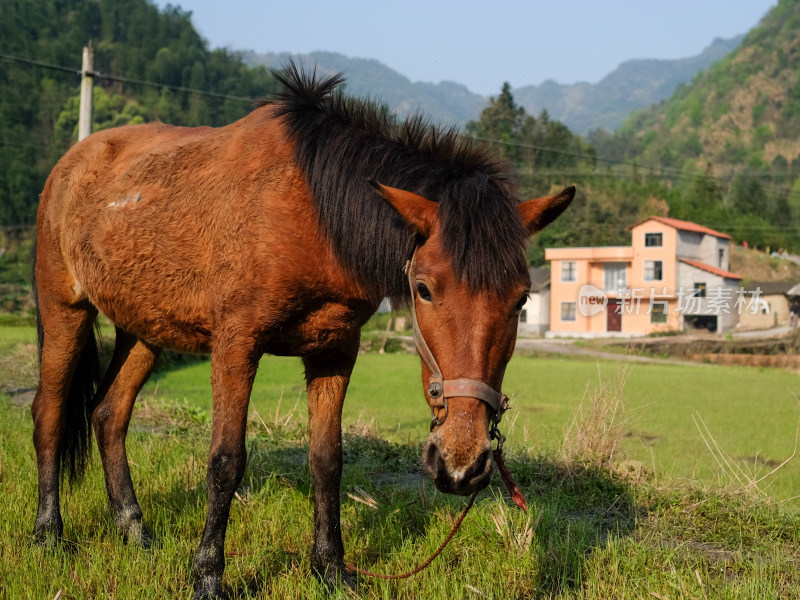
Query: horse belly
(163, 321)
(330, 325)
(170, 316)
(146, 272)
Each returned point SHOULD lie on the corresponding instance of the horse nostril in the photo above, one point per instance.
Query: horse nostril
(486, 459)
(480, 472)
(432, 460)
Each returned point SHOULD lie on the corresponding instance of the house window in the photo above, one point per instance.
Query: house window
(567, 311)
(658, 312)
(653, 240)
(653, 270)
(523, 316)
(614, 276)
(721, 257)
(569, 270)
(700, 290)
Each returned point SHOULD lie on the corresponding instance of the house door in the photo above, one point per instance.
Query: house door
(614, 316)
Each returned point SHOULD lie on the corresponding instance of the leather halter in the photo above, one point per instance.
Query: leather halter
(439, 388)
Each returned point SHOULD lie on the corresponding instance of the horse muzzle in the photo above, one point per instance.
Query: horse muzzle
(462, 481)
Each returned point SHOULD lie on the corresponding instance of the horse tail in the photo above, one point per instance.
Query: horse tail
(76, 446)
(35, 293)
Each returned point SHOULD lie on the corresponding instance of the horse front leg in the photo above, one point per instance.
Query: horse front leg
(327, 376)
(233, 368)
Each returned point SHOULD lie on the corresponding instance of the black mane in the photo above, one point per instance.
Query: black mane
(342, 142)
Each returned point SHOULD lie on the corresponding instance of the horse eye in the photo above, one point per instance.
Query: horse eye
(424, 292)
(521, 303)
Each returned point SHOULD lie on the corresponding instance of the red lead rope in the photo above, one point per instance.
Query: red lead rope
(516, 496)
(355, 569)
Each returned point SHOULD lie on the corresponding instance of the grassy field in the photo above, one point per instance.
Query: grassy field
(751, 413)
(679, 529)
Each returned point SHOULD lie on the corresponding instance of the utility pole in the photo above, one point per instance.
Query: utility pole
(85, 115)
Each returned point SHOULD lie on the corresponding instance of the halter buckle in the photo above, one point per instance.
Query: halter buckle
(436, 421)
(494, 430)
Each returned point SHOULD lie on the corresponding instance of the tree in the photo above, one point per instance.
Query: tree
(528, 142)
(107, 111)
(131, 38)
(500, 122)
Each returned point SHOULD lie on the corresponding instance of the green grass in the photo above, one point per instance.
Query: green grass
(588, 535)
(751, 412)
(14, 333)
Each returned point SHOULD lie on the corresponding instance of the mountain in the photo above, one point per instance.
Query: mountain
(446, 102)
(724, 150)
(635, 84)
(740, 116)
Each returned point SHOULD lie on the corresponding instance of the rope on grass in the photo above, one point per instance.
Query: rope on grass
(355, 569)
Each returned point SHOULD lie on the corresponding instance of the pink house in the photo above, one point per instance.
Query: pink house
(673, 276)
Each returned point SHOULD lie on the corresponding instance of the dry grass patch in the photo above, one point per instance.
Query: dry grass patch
(19, 367)
(594, 437)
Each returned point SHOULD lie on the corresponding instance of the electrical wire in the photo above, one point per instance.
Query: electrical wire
(655, 170)
(120, 79)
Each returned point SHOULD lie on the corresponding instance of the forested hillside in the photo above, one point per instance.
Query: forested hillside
(747, 187)
(734, 133)
(742, 114)
(132, 39)
(723, 151)
(547, 156)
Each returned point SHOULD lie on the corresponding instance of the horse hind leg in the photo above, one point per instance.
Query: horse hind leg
(130, 366)
(69, 370)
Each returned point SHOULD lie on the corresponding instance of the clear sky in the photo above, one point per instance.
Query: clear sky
(479, 44)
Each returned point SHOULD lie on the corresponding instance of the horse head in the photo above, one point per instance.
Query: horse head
(465, 338)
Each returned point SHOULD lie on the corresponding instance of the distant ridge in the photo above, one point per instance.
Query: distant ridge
(634, 85)
(447, 102)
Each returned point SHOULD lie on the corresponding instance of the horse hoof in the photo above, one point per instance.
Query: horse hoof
(48, 534)
(208, 588)
(137, 532)
(335, 576)
(349, 579)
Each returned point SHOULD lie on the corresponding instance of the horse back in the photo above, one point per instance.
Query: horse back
(165, 229)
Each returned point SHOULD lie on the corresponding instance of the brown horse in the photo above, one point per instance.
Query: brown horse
(270, 235)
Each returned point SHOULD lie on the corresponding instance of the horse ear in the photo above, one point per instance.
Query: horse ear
(540, 212)
(418, 212)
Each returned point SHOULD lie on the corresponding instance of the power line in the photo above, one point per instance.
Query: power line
(662, 171)
(120, 79)
(176, 88)
(595, 158)
(38, 63)
(22, 145)
(589, 157)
